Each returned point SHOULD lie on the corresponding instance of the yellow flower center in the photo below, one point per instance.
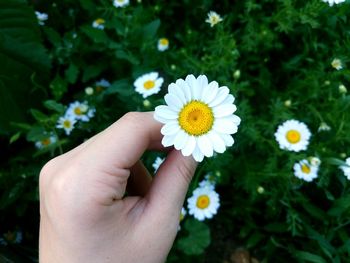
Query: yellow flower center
(305, 168)
(196, 118)
(164, 41)
(46, 141)
(293, 136)
(149, 84)
(67, 124)
(78, 111)
(182, 216)
(203, 201)
(100, 21)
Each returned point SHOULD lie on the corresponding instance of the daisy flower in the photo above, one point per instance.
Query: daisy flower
(42, 17)
(163, 44)
(198, 117)
(203, 203)
(157, 163)
(337, 64)
(120, 3)
(99, 23)
(66, 123)
(305, 170)
(148, 84)
(102, 84)
(324, 127)
(50, 139)
(213, 18)
(331, 2)
(80, 111)
(208, 181)
(346, 169)
(293, 135)
(315, 161)
(10, 237)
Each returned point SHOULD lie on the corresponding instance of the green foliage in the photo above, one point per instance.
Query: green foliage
(275, 57)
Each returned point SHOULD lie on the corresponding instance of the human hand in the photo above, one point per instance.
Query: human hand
(84, 214)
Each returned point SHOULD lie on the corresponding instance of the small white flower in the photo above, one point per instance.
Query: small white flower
(42, 17)
(337, 64)
(315, 161)
(342, 89)
(293, 135)
(120, 3)
(208, 181)
(80, 111)
(213, 18)
(324, 127)
(66, 123)
(204, 203)
(163, 44)
(50, 139)
(260, 190)
(346, 169)
(148, 84)
(288, 103)
(305, 170)
(157, 163)
(99, 23)
(89, 91)
(331, 2)
(198, 117)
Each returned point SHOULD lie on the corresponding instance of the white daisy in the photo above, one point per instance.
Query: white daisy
(293, 135)
(324, 127)
(148, 84)
(120, 3)
(80, 111)
(203, 203)
(346, 169)
(42, 17)
(163, 44)
(305, 170)
(208, 181)
(337, 64)
(66, 123)
(198, 117)
(315, 161)
(157, 163)
(213, 18)
(50, 139)
(331, 2)
(99, 23)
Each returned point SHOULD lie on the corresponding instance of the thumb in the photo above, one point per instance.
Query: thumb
(169, 187)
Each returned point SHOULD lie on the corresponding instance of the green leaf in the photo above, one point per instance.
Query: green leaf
(58, 87)
(15, 137)
(127, 55)
(309, 257)
(121, 87)
(96, 35)
(71, 73)
(340, 206)
(53, 105)
(150, 30)
(38, 115)
(335, 161)
(198, 238)
(92, 71)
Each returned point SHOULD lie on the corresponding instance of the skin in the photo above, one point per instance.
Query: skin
(84, 214)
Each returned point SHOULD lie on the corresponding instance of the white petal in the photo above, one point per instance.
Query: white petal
(217, 142)
(227, 139)
(210, 92)
(220, 97)
(176, 90)
(225, 126)
(168, 140)
(205, 146)
(229, 99)
(202, 83)
(189, 148)
(197, 154)
(185, 89)
(192, 82)
(180, 140)
(224, 110)
(173, 101)
(165, 112)
(170, 128)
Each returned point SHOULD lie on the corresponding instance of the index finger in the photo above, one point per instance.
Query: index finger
(123, 143)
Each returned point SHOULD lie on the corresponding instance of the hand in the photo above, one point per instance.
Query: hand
(84, 214)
